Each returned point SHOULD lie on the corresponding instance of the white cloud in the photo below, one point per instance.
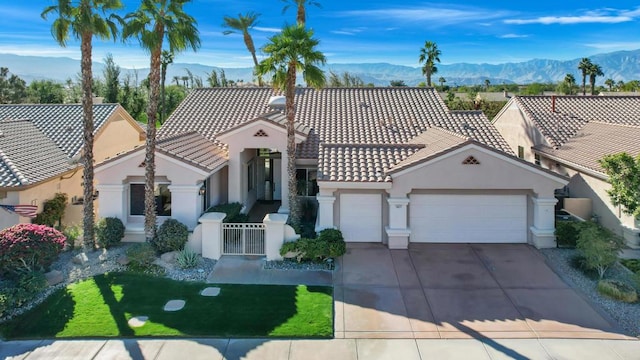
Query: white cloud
(513, 36)
(346, 31)
(267, 29)
(435, 14)
(601, 16)
(614, 46)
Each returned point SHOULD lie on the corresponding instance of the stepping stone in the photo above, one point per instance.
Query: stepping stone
(138, 321)
(210, 291)
(174, 305)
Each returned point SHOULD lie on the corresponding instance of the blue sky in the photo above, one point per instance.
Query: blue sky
(371, 31)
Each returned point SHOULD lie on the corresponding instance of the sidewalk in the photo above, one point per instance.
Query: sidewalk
(339, 349)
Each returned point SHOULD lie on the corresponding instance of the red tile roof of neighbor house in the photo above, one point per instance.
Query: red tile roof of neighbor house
(559, 118)
(342, 123)
(593, 141)
(40, 141)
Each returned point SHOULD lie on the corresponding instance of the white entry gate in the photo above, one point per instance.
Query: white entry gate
(243, 239)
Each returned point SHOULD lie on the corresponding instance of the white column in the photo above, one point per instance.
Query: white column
(212, 235)
(397, 231)
(543, 229)
(186, 204)
(284, 183)
(274, 235)
(111, 201)
(235, 175)
(325, 211)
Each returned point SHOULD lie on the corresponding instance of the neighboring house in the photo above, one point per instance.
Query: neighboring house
(389, 165)
(569, 134)
(41, 147)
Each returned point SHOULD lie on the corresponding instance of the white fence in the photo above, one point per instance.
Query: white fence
(243, 239)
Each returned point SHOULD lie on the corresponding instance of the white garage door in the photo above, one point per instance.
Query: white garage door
(468, 218)
(361, 217)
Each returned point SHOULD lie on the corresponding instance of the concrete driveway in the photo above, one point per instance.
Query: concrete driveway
(459, 291)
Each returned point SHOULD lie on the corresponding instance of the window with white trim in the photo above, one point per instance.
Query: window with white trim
(162, 195)
(307, 180)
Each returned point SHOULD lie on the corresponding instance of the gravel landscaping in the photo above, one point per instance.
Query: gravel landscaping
(294, 265)
(627, 315)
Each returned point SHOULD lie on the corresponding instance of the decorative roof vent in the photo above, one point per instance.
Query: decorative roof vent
(277, 102)
(260, 133)
(471, 161)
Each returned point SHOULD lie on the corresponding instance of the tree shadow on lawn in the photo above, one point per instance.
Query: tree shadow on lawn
(239, 311)
(59, 307)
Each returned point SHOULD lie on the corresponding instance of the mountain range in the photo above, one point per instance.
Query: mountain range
(620, 65)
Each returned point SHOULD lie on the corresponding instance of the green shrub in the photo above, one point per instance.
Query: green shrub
(32, 282)
(52, 211)
(631, 264)
(29, 247)
(336, 244)
(109, 232)
(233, 212)
(72, 233)
(617, 290)
(567, 233)
(599, 247)
(187, 258)
(329, 244)
(17, 292)
(288, 247)
(141, 255)
(171, 236)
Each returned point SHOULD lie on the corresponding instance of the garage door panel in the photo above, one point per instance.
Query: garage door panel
(361, 217)
(468, 218)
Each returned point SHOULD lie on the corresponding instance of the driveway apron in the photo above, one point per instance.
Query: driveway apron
(449, 291)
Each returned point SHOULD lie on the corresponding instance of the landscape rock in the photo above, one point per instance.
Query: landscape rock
(123, 260)
(104, 256)
(169, 257)
(54, 277)
(80, 259)
(164, 264)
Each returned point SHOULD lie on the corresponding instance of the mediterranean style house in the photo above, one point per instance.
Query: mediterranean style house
(569, 134)
(387, 165)
(40, 150)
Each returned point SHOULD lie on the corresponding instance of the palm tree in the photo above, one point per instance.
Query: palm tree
(84, 21)
(294, 49)
(594, 70)
(584, 66)
(610, 83)
(301, 17)
(429, 55)
(156, 22)
(242, 24)
(487, 82)
(167, 58)
(442, 80)
(570, 81)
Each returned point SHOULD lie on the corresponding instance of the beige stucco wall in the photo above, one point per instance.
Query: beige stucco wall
(518, 131)
(119, 134)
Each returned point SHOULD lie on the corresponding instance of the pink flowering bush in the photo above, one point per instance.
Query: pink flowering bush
(29, 247)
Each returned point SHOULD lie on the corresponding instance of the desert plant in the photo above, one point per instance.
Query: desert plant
(141, 255)
(72, 233)
(52, 211)
(187, 258)
(599, 247)
(29, 247)
(631, 264)
(171, 236)
(109, 232)
(617, 290)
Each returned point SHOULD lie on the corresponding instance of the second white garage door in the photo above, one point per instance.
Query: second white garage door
(468, 218)
(361, 217)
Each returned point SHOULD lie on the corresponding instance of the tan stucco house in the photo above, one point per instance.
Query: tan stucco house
(41, 147)
(386, 165)
(569, 134)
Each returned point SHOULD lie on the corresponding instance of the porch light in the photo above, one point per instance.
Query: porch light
(202, 190)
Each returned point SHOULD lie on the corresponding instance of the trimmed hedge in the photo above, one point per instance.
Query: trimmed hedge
(171, 236)
(109, 232)
(29, 247)
(567, 233)
(329, 244)
(233, 212)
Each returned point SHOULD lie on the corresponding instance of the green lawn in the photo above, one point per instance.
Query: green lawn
(101, 307)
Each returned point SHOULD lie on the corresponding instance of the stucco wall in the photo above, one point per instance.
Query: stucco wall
(518, 131)
(115, 137)
(8, 219)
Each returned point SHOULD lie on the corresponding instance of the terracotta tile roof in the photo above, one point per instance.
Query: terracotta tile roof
(194, 149)
(337, 120)
(593, 141)
(573, 112)
(275, 117)
(27, 156)
(436, 141)
(62, 123)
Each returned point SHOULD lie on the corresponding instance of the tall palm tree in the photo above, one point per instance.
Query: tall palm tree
(584, 66)
(301, 16)
(242, 24)
(167, 58)
(156, 22)
(594, 70)
(294, 49)
(84, 20)
(429, 55)
(570, 81)
(610, 83)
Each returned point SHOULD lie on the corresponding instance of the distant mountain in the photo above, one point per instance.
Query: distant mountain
(621, 65)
